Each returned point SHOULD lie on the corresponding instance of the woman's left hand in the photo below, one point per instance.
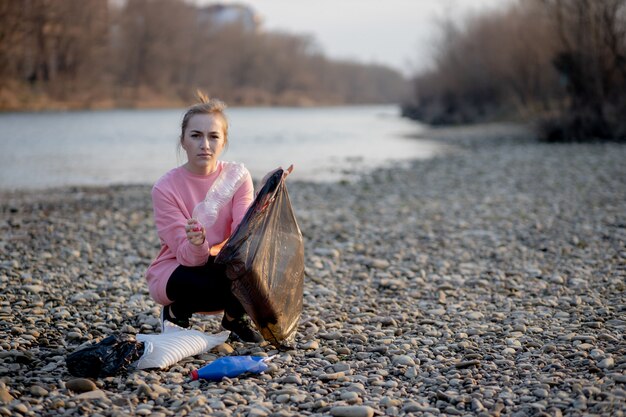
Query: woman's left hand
(195, 232)
(215, 249)
(286, 172)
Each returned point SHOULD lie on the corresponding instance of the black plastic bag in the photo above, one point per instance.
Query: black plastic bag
(106, 358)
(264, 259)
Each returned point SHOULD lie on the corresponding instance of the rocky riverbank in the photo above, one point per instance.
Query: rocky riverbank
(487, 281)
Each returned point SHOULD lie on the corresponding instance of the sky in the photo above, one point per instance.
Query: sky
(398, 33)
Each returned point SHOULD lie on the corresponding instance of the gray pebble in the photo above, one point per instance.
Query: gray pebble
(352, 411)
(492, 268)
(403, 360)
(38, 391)
(606, 363)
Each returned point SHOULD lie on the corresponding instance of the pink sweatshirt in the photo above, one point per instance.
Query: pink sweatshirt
(174, 197)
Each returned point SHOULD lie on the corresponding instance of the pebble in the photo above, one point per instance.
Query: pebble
(411, 372)
(38, 391)
(466, 364)
(606, 363)
(474, 315)
(80, 385)
(390, 402)
(74, 335)
(352, 411)
(379, 263)
(20, 408)
(197, 401)
(257, 412)
(33, 288)
(224, 349)
(91, 395)
(332, 376)
(349, 397)
(451, 285)
(311, 345)
(403, 360)
(5, 396)
(292, 379)
(144, 390)
(557, 279)
(283, 398)
(477, 406)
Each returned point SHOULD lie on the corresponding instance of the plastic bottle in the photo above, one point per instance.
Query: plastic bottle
(230, 179)
(231, 366)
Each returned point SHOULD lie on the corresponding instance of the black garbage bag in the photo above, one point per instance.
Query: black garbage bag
(108, 357)
(264, 259)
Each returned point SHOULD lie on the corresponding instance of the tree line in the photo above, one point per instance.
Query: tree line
(558, 63)
(98, 53)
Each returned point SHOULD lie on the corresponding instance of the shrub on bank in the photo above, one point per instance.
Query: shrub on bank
(560, 64)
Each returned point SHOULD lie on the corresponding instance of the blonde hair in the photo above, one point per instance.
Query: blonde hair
(206, 105)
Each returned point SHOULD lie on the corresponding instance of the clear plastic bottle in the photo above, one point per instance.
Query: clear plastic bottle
(230, 179)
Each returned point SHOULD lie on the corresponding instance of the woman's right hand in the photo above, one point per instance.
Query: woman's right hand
(195, 232)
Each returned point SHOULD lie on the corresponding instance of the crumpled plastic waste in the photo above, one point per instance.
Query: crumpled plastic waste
(231, 366)
(118, 353)
(108, 357)
(174, 344)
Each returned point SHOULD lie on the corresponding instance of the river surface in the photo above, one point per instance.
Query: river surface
(51, 149)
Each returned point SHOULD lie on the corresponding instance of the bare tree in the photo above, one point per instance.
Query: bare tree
(84, 53)
(592, 62)
(562, 61)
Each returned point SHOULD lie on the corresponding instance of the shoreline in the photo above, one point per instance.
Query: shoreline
(180, 105)
(486, 280)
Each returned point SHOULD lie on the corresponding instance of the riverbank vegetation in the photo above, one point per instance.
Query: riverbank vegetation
(558, 63)
(156, 53)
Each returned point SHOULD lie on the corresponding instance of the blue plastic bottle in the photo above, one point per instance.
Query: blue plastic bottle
(231, 366)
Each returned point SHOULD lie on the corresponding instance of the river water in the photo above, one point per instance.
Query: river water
(50, 149)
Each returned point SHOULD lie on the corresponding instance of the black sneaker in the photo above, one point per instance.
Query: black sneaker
(180, 322)
(243, 329)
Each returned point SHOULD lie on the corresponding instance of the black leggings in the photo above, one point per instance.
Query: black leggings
(203, 288)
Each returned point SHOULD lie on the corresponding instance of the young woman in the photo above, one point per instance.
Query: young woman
(183, 277)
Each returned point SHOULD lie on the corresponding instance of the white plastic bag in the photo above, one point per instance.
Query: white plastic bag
(165, 349)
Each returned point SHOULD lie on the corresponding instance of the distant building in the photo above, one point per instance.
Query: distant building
(222, 14)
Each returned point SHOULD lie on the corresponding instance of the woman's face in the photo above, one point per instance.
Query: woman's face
(204, 142)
